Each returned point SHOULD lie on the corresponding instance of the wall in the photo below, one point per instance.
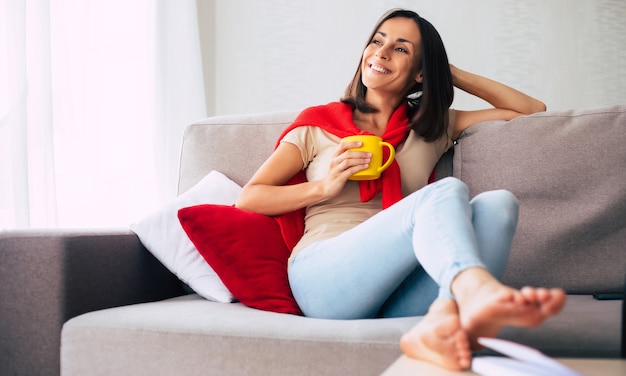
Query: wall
(279, 55)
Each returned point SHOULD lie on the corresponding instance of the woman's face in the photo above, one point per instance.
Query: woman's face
(391, 61)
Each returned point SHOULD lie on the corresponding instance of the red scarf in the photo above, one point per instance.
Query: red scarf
(336, 118)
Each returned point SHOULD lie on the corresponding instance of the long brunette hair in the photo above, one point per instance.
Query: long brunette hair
(430, 100)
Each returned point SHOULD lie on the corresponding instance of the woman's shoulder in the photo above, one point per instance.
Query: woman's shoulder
(445, 142)
(306, 134)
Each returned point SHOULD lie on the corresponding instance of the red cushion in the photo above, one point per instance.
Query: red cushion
(246, 250)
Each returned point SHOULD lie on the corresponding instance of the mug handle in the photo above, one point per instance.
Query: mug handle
(392, 155)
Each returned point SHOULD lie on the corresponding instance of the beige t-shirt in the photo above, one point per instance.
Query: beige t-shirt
(331, 217)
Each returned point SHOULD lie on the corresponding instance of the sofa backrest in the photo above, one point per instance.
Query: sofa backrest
(237, 145)
(233, 145)
(568, 170)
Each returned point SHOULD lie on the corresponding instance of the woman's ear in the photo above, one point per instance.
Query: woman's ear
(419, 78)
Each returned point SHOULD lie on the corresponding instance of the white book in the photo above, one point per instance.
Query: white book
(522, 361)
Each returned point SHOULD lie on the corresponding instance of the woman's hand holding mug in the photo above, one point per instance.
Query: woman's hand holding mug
(375, 146)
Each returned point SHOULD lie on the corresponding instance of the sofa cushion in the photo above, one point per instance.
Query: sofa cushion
(247, 252)
(193, 336)
(568, 170)
(162, 234)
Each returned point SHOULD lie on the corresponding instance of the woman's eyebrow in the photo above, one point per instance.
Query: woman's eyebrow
(397, 40)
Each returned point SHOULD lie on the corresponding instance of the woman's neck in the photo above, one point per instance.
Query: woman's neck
(375, 122)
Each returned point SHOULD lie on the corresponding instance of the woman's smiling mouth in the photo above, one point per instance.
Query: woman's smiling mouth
(379, 69)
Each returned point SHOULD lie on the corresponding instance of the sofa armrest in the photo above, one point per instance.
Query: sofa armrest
(50, 276)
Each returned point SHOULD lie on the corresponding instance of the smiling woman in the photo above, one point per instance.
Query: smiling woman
(393, 245)
(93, 110)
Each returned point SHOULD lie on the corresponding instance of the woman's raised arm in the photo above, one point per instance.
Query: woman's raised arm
(508, 103)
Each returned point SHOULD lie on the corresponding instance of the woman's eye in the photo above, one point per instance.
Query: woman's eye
(400, 49)
(376, 41)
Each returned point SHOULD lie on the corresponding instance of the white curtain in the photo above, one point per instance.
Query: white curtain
(94, 97)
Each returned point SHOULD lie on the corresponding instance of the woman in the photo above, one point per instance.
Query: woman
(431, 251)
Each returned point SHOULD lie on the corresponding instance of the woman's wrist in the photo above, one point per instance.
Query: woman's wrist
(455, 74)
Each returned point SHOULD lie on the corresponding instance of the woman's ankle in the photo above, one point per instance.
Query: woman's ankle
(466, 283)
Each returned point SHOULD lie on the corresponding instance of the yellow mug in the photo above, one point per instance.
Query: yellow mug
(374, 145)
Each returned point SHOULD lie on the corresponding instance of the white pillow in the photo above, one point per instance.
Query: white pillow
(162, 234)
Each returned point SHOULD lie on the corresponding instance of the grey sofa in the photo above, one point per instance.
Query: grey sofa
(97, 302)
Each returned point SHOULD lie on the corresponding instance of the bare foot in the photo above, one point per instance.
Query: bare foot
(550, 301)
(486, 306)
(439, 338)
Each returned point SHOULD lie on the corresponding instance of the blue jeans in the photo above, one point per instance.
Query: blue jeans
(399, 261)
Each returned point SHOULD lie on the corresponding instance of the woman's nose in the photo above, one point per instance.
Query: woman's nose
(382, 53)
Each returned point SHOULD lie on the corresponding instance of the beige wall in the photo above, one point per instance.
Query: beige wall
(280, 54)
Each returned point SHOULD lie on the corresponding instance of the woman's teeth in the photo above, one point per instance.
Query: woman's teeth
(379, 69)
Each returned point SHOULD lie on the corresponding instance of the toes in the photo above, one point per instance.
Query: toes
(539, 295)
(463, 350)
(556, 301)
(530, 294)
(558, 294)
(543, 295)
(465, 361)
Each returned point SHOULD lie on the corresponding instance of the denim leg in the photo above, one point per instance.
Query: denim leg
(413, 297)
(444, 239)
(354, 274)
(495, 215)
(494, 218)
(351, 275)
